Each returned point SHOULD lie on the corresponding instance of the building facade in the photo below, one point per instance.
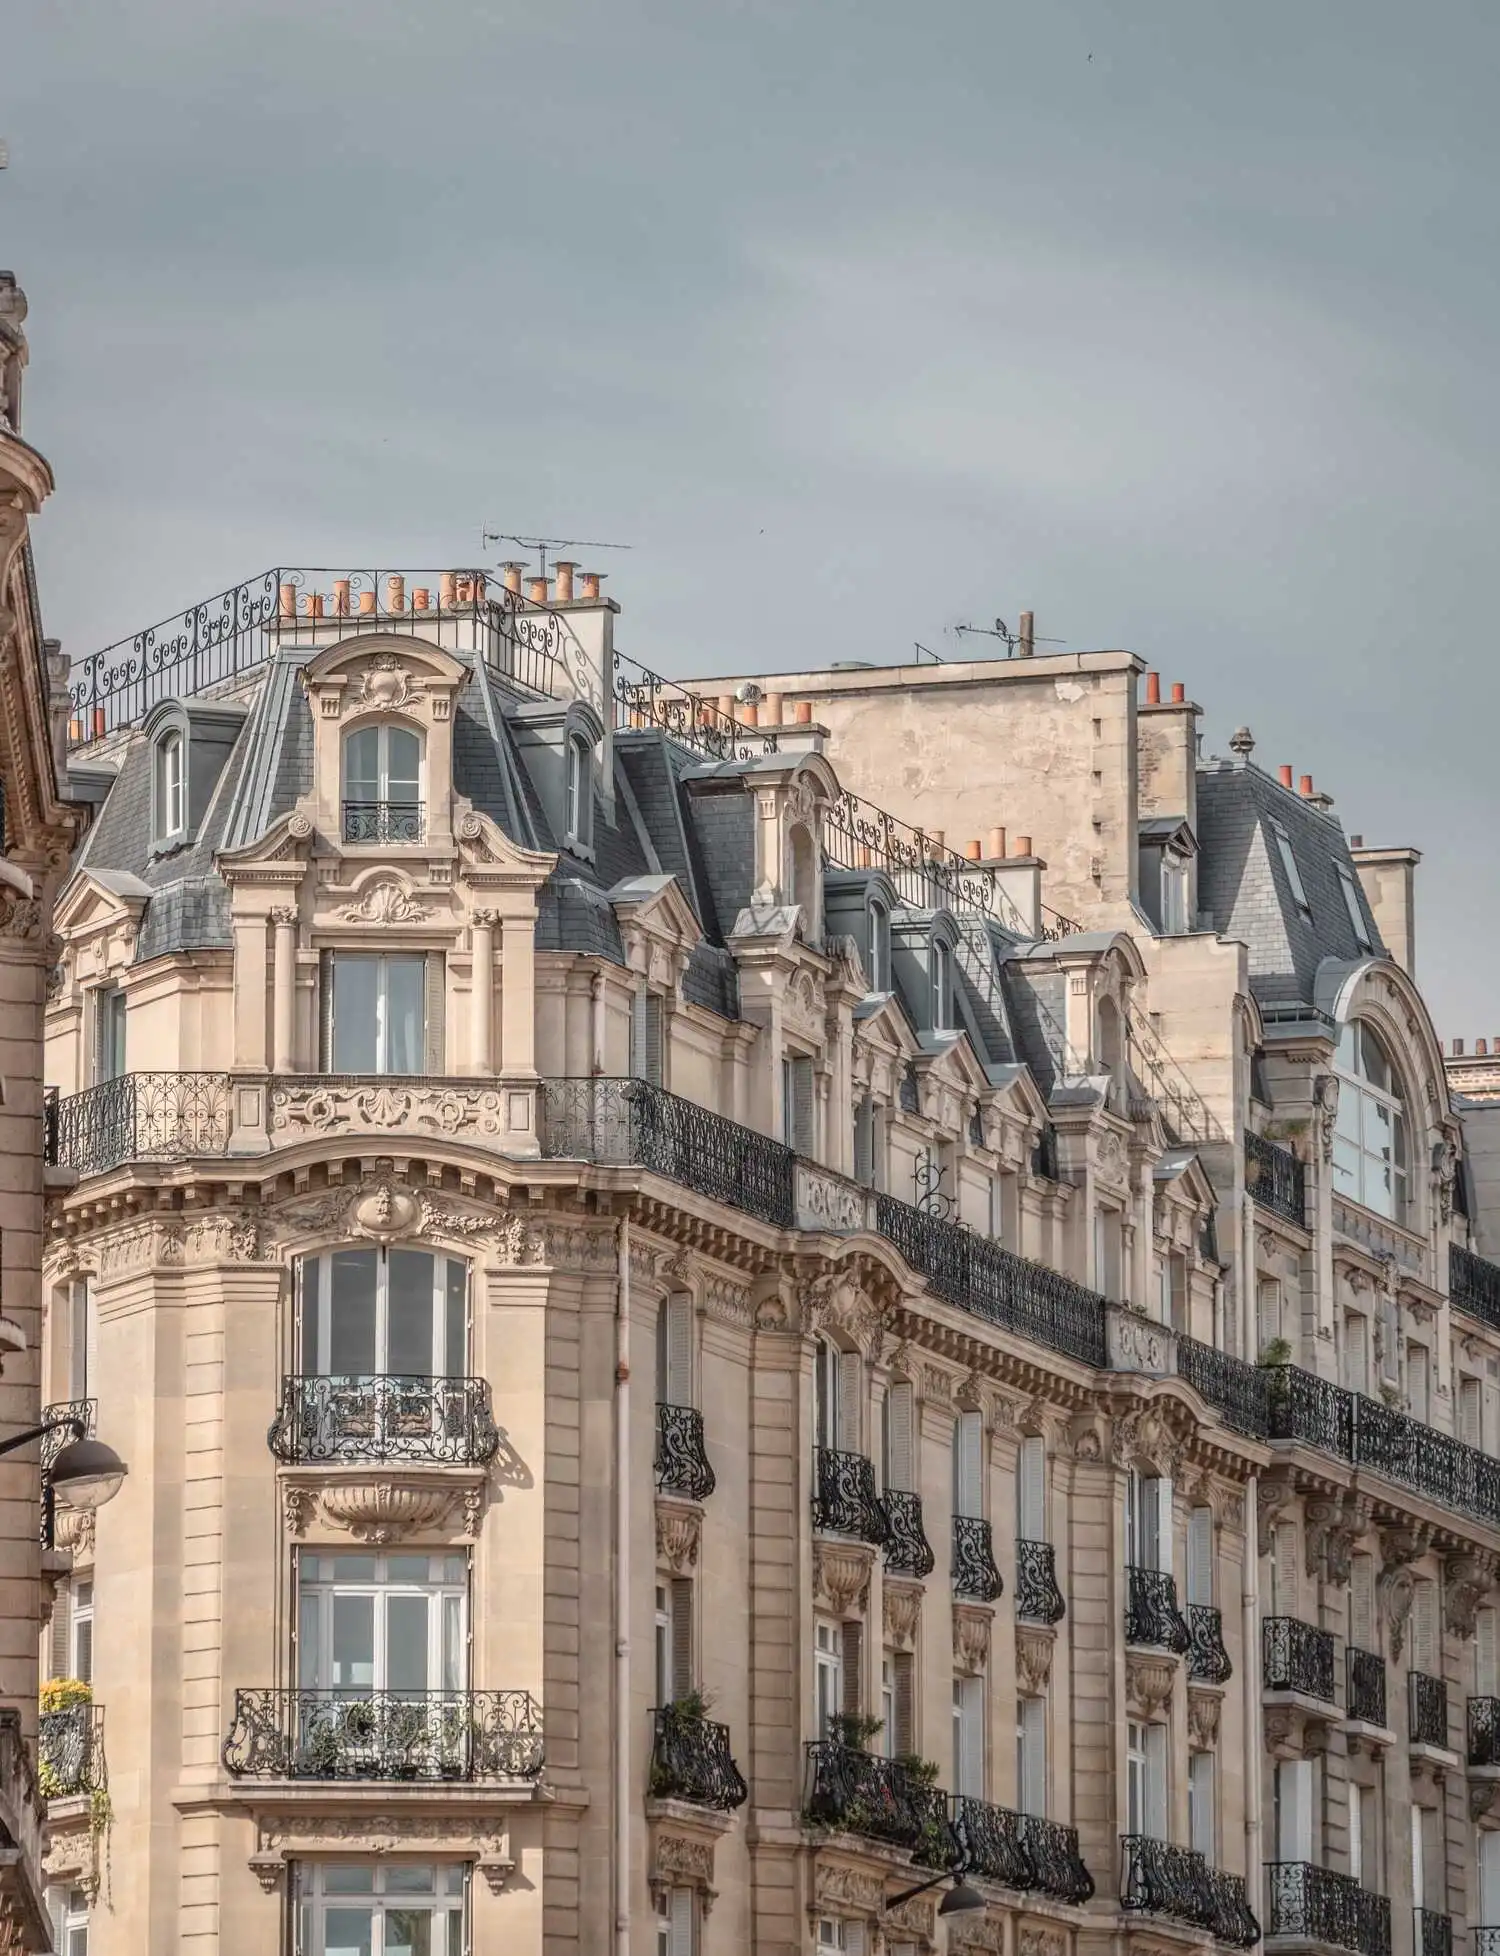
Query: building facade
(695, 1359)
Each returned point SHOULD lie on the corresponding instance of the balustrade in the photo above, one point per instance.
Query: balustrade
(1295, 1656)
(1161, 1878)
(1318, 1905)
(352, 1734)
(1433, 1933)
(907, 1549)
(1151, 1613)
(691, 1760)
(1474, 1285)
(326, 1418)
(882, 1799)
(1276, 1179)
(70, 1750)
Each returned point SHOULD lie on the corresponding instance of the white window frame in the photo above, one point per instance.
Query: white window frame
(315, 1284)
(1289, 863)
(1352, 904)
(1360, 1168)
(828, 1675)
(968, 1737)
(1174, 894)
(449, 1899)
(943, 1013)
(383, 962)
(111, 1059)
(383, 777)
(1202, 1793)
(1145, 1780)
(879, 974)
(444, 1592)
(81, 1629)
(580, 792)
(170, 784)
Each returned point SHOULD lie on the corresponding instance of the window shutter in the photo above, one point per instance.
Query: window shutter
(852, 1637)
(1031, 1489)
(851, 1392)
(1284, 1569)
(82, 1664)
(678, 1310)
(1163, 1558)
(904, 1736)
(864, 1143)
(682, 1637)
(1486, 1670)
(1156, 1781)
(1201, 1804)
(1032, 1786)
(898, 1411)
(681, 1921)
(1424, 1655)
(325, 1011)
(1357, 1354)
(305, 1288)
(1470, 1413)
(854, 1939)
(638, 1033)
(1200, 1556)
(1362, 1603)
(653, 1033)
(1294, 1810)
(1357, 1832)
(804, 1125)
(1418, 1858)
(57, 1653)
(1133, 1513)
(1268, 1310)
(968, 1464)
(1489, 1877)
(435, 1059)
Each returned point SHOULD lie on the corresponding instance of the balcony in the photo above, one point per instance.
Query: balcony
(1038, 1598)
(1151, 1614)
(1474, 1285)
(1276, 1179)
(682, 1465)
(691, 1760)
(69, 1743)
(1296, 1657)
(1427, 1710)
(1159, 1878)
(464, 1736)
(858, 1793)
(1484, 1734)
(139, 1117)
(1364, 1687)
(975, 1576)
(844, 1497)
(1308, 1904)
(1432, 1934)
(1053, 1851)
(1234, 1389)
(330, 1420)
(1487, 1942)
(384, 821)
(1020, 1851)
(1207, 1660)
(907, 1549)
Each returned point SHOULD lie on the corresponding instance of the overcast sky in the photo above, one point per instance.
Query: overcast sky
(1174, 322)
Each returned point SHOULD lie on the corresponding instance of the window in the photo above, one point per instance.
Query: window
(1107, 1251)
(879, 972)
(109, 1033)
(846, 1937)
(646, 1045)
(942, 985)
(1268, 1311)
(897, 1722)
(1031, 1756)
(1356, 910)
(580, 812)
(1292, 1799)
(896, 1427)
(677, 1923)
(1146, 1780)
(968, 1464)
(1284, 1584)
(374, 1622)
(1420, 1827)
(838, 1389)
(68, 1910)
(1171, 1289)
(828, 1677)
(1471, 1412)
(1364, 1836)
(1031, 1490)
(1357, 1353)
(1426, 1631)
(1201, 1805)
(367, 1312)
(1148, 1521)
(83, 1338)
(1174, 895)
(1487, 1657)
(170, 787)
(81, 1631)
(381, 1908)
(674, 1351)
(1369, 1138)
(1200, 1556)
(968, 1738)
(674, 1640)
(1289, 864)
(1362, 1602)
(864, 1141)
(379, 1012)
(1489, 1878)
(1418, 1382)
(382, 785)
(798, 1118)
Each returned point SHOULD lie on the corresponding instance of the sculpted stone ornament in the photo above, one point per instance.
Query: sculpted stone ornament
(384, 903)
(1149, 1682)
(836, 1885)
(678, 1533)
(386, 683)
(1034, 1645)
(971, 1638)
(901, 1607)
(684, 1861)
(1467, 1580)
(386, 1509)
(1326, 1102)
(1031, 1940)
(1203, 1717)
(841, 1575)
(1334, 1526)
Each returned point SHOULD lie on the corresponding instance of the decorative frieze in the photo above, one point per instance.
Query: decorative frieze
(386, 1504)
(284, 1837)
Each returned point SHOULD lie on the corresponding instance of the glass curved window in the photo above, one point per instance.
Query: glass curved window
(171, 795)
(880, 947)
(382, 785)
(369, 1312)
(580, 803)
(1370, 1140)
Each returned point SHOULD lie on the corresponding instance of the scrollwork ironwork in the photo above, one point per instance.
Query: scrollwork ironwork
(907, 1549)
(691, 1760)
(1428, 1709)
(1434, 1933)
(325, 1418)
(351, 1734)
(844, 1497)
(1038, 1598)
(682, 1464)
(1053, 1852)
(143, 1117)
(1296, 1656)
(1474, 1285)
(1276, 1179)
(883, 1799)
(1483, 1723)
(1207, 1659)
(644, 699)
(384, 821)
(1151, 1613)
(1234, 1389)
(974, 1573)
(70, 1751)
(1160, 1878)
(1320, 1905)
(1364, 1685)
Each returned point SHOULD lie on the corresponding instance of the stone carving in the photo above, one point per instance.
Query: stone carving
(1032, 1940)
(1334, 1526)
(73, 1529)
(901, 1608)
(386, 683)
(1148, 1683)
(1483, 1794)
(1467, 1580)
(727, 1301)
(1139, 1344)
(841, 1575)
(916, 1917)
(314, 1107)
(384, 903)
(1034, 1644)
(856, 1890)
(1326, 1104)
(937, 1385)
(387, 1509)
(834, 1302)
(1083, 1438)
(296, 1505)
(971, 1638)
(280, 1838)
(678, 1533)
(1152, 1436)
(1276, 1491)
(1203, 1718)
(684, 1861)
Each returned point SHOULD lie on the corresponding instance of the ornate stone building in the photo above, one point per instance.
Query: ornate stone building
(699, 1365)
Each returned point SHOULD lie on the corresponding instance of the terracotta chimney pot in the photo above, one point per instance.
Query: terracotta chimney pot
(367, 603)
(727, 705)
(1179, 693)
(773, 710)
(1305, 786)
(1458, 1049)
(288, 600)
(1481, 1047)
(341, 596)
(565, 572)
(591, 586)
(1285, 772)
(537, 589)
(512, 573)
(802, 713)
(1022, 846)
(98, 723)
(447, 588)
(973, 852)
(75, 730)
(395, 594)
(1153, 689)
(997, 843)
(419, 598)
(315, 604)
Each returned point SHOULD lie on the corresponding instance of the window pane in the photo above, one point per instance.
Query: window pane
(404, 764)
(345, 1878)
(356, 993)
(453, 1643)
(455, 1353)
(354, 1641)
(351, 1312)
(406, 1644)
(408, 1932)
(409, 1312)
(348, 1932)
(405, 983)
(362, 765)
(402, 1878)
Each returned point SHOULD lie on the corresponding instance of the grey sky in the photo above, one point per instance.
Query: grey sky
(1175, 322)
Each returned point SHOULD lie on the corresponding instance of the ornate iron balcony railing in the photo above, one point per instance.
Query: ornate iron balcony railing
(350, 1734)
(86, 1412)
(989, 1839)
(1428, 1709)
(1208, 1660)
(1053, 1852)
(1484, 1733)
(1151, 1612)
(1233, 1918)
(1474, 1284)
(1364, 1686)
(326, 1418)
(1276, 1179)
(384, 821)
(644, 699)
(844, 1497)
(1318, 1905)
(682, 1464)
(70, 1751)
(974, 1573)
(907, 1549)
(1487, 1942)
(1235, 1390)
(1433, 1933)
(691, 1760)
(142, 1117)
(1159, 1878)
(1295, 1656)
(1038, 1598)
(881, 1799)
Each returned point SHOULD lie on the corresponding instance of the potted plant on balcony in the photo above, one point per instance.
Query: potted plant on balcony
(56, 1697)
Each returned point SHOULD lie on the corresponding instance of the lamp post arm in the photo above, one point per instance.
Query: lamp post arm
(38, 1432)
(907, 1894)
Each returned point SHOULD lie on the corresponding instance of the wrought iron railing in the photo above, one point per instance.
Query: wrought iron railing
(907, 1549)
(143, 1117)
(1487, 1942)
(691, 1760)
(70, 1751)
(1233, 1919)
(1432, 1933)
(350, 1734)
(1151, 1612)
(1276, 1179)
(1038, 1598)
(644, 699)
(682, 1463)
(1318, 1905)
(1053, 1852)
(1474, 1284)
(1236, 1390)
(927, 874)
(384, 821)
(86, 1413)
(1160, 1878)
(989, 1838)
(1207, 1659)
(1296, 1656)
(974, 1573)
(1483, 1722)
(881, 1799)
(326, 1418)
(1427, 1707)
(844, 1498)
(1364, 1686)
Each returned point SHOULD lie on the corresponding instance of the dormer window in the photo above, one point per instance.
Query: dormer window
(1289, 864)
(1356, 910)
(942, 985)
(383, 785)
(1174, 894)
(880, 946)
(580, 812)
(170, 787)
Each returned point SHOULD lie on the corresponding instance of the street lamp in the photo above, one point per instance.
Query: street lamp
(86, 1473)
(960, 1899)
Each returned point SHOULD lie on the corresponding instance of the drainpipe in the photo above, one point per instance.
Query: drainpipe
(622, 1595)
(1254, 1748)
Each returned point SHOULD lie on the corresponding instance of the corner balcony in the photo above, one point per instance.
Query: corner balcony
(1474, 1285)
(1038, 1598)
(1297, 1660)
(691, 1760)
(844, 1498)
(1364, 1688)
(1152, 1618)
(682, 1464)
(1207, 1660)
(334, 1419)
(1427, 1709)
(1159, 1878)
(1308, 1905)
(469, 1737)
(1020, 1851)
(907, 1549)
(882, 1800)
(975, 1576)
(1275, 1179)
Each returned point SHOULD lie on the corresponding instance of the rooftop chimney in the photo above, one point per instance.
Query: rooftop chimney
(1153, 689)
(1179, 693)
(1027, 643)
(1305, 787)
(1458, 1049)
(591, 586)
(565, 572)
(1388, 877)
(1285, 772)
(511, 571)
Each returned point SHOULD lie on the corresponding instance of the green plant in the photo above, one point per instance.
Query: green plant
(691, 1708)
(923, 1771)
(1390, 1395)
(1276, 1351)
(101, 1811)
(853, 1729)
(61, 1694)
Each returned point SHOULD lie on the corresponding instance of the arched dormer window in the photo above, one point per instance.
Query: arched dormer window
(880, 946)
(1370, 1141)
(942, 985)
(169, 787)
(383, 784)
(580, 809)
(802, 879)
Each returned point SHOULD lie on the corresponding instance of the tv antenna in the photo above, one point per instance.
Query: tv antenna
(1009, 639)
(543, 544)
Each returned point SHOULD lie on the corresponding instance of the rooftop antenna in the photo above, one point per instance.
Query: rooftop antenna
(936, 657)
(544, 544)
(1025, 638)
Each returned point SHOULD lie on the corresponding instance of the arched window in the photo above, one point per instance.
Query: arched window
(804, 880)
(171, 786)
(1370, 1144)
(880, 946)
(942, 985)
(383, 785)
(580, 812)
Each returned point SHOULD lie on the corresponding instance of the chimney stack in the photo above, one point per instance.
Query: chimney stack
(1153, 689)
(1179, 693)
(1305, 787)
(565, 572)
(1027, 645)
(1285, 772)
(591, 586)
(511, 571)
